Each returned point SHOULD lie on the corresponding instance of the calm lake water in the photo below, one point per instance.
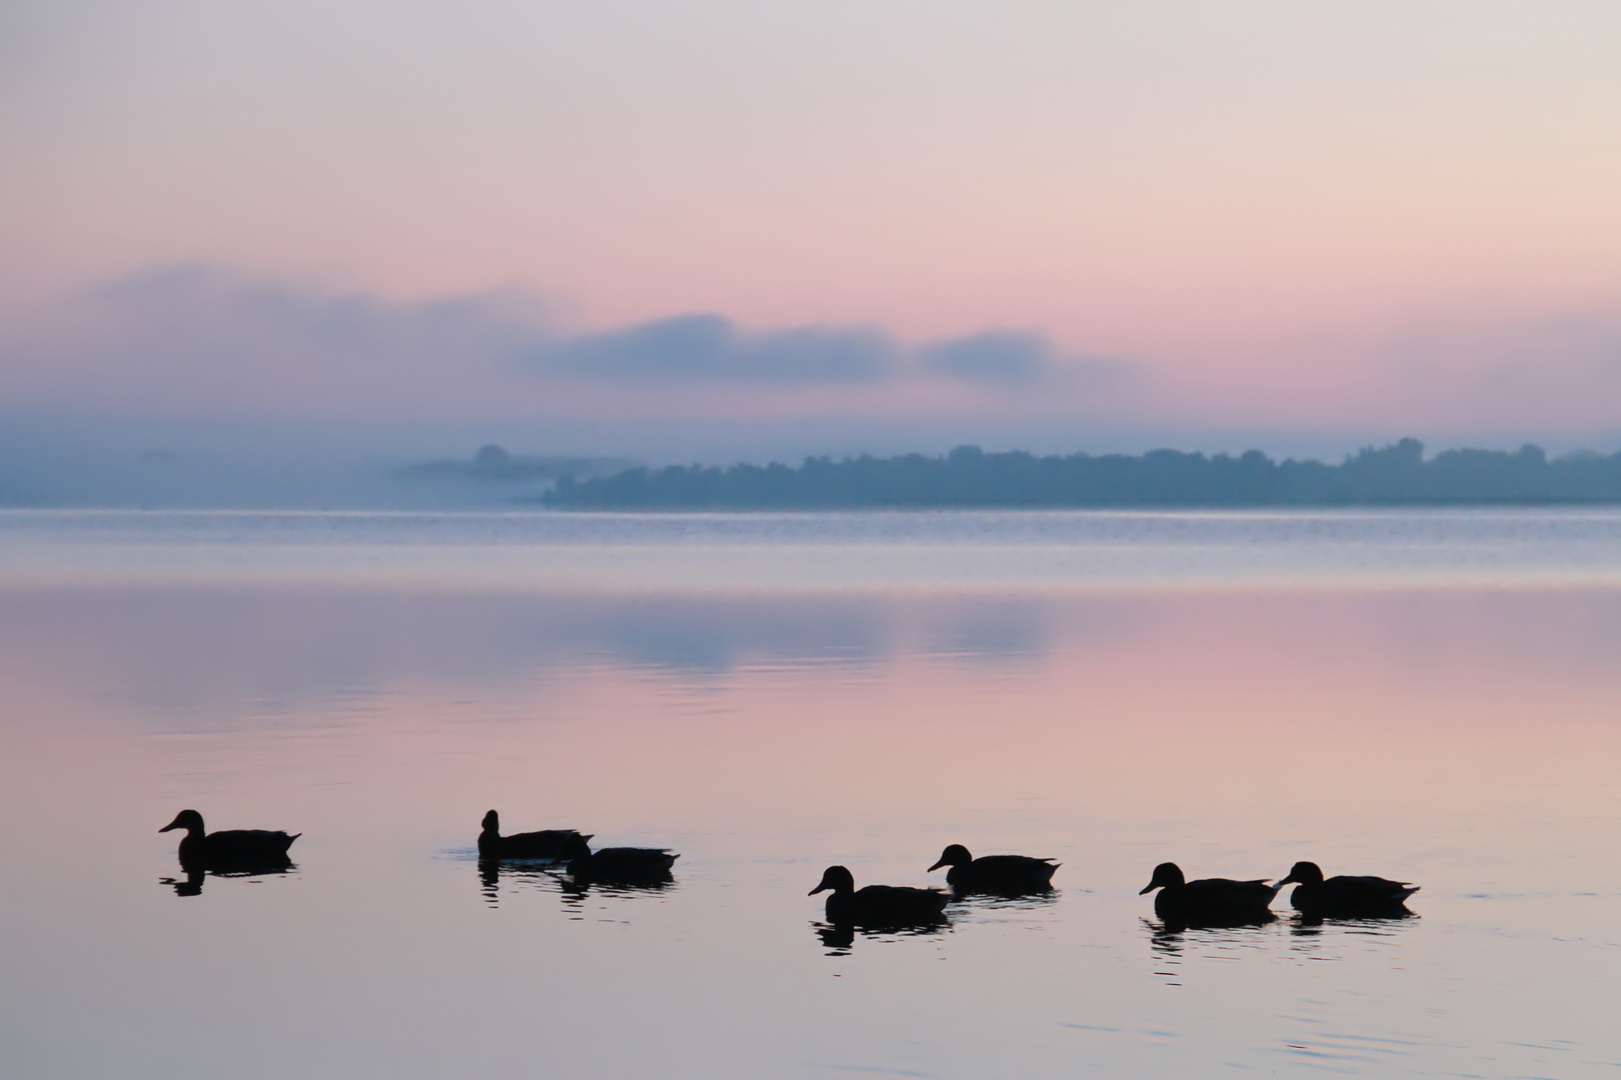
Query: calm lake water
(1433, 697)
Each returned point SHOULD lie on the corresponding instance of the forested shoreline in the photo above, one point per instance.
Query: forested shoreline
(1394, 475)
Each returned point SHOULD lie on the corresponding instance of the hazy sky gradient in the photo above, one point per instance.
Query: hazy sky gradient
(1370, 216)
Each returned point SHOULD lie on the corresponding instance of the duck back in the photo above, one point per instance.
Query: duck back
(1347, 897)
(627, 858)
(1216, 902)
(237, 849)
(888, 906)
(1002, 874)
(623, 865)
(549, 844)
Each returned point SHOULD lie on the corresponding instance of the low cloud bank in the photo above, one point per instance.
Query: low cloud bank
(711, 349)
(202, 338)
(208, 342)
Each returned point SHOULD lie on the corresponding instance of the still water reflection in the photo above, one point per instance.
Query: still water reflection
(191, 883)
(518, 878)
(1460, 736)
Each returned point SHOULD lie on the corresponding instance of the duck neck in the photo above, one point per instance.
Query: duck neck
(193, 847)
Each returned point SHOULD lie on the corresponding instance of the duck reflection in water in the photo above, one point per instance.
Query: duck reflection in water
(839, 938)
(491, 871)
(192, 883)
(547, 877)
(1165, 941)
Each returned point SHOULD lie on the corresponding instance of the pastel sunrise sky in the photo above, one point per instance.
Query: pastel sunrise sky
(1370, 217)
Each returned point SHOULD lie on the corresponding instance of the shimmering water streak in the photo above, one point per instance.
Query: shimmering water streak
(971, 549)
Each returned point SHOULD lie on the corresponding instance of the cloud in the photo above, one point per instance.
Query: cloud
(204, 341)
(1016, 359)
(708, 348)
(196, 336)
(996, 356)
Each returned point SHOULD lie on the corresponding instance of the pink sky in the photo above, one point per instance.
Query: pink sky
(1366, 216)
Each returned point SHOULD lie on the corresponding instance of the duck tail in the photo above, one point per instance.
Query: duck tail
(293, 837)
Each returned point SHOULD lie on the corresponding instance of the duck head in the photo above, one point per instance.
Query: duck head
(836, 878)
(1303, 873)
(492, 823)
(1165, 874)
(955, 855)
(190, 820)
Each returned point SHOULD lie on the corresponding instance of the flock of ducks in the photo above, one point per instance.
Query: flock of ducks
(1207, 902)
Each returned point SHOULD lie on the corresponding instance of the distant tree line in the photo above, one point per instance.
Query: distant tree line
(968, 477)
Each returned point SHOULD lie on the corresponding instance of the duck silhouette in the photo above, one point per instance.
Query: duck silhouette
(618, 865)
(234, 850)
(1209, 901)
(882, 906)
(1003, 875)
(549, 844)
(1346, 897)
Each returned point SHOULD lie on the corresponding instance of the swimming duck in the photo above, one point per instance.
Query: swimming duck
(879, 905)
(234, 849)
(545, 844)
(1346, 897)
(625, 865)
(1209, 901)
(1006, 874)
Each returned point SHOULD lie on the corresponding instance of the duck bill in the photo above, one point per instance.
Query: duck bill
(816, 890)
(935, 867)
(1288, 881)
(175, 824)
(1146, 889)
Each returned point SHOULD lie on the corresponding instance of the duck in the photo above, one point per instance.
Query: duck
(234, 849)
(1209, 901)
(1005, 874)
(624, 865)
(549, 844)
(879, 905)
(1346, 897)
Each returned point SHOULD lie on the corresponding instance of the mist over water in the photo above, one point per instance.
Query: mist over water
(1427, 696)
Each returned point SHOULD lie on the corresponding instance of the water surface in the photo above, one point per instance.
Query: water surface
(1429, 696)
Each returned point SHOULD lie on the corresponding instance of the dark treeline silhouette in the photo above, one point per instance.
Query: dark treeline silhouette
(1391, 475)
